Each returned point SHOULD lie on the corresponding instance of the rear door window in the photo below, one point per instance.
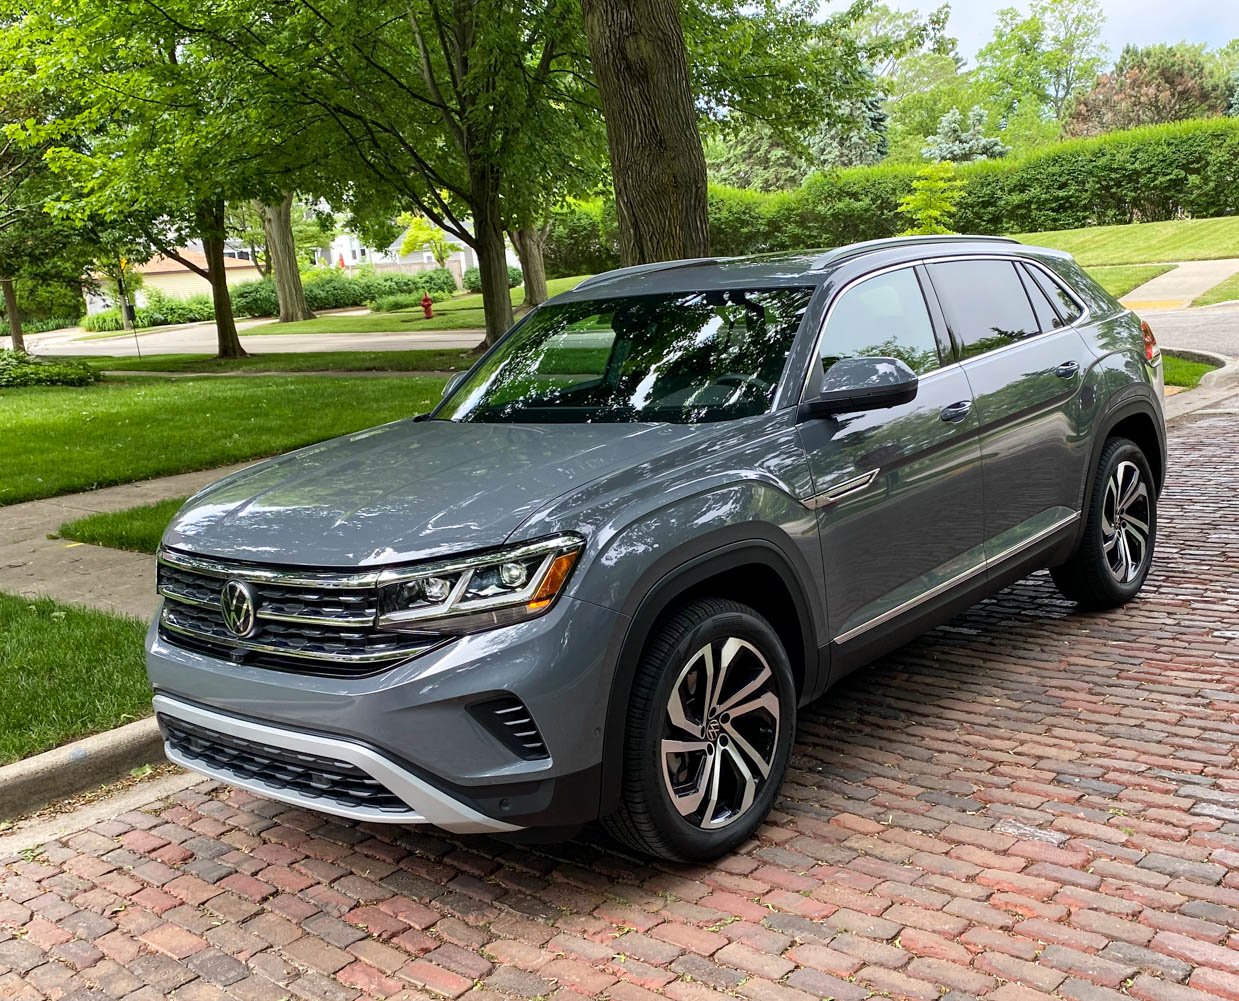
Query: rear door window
(984, 303)
(1047, 315)
(1068, 307)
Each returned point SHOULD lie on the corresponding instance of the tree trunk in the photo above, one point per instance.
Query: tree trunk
(659, 169)
(282, 259)
(493, 265)
(211, 230)
(12, 315)
(528, 242)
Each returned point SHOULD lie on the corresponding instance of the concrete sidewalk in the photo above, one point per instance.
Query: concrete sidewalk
(200, 339)
(1178, 288)
(108, 579)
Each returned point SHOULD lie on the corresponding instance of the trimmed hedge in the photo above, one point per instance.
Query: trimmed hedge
(1142, 175)
(18, 369)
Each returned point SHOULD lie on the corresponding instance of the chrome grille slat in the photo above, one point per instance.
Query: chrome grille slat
(303, 623)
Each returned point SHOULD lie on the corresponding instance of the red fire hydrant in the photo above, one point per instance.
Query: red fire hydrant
(428, 306)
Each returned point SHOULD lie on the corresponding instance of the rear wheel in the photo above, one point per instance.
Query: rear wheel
(710, 727)
(1113, 559)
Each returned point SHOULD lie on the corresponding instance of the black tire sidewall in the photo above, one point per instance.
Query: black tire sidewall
(686, 840)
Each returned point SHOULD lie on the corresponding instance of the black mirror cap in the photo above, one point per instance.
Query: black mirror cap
(846, 401)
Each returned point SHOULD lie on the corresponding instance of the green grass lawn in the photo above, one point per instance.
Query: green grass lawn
(1121, 279)
(67, 673)
(427, 360)
(137, 529)
(1224, 292)
(60, 440)
(1182, 372)
(1146, 243)
(461, 313)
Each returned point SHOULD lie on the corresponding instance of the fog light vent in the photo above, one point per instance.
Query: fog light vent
(512, 724)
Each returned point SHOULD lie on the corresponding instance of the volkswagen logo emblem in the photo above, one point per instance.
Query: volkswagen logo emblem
(239, 607)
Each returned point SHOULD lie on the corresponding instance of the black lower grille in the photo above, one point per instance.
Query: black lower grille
(308, 775)
(512, 723)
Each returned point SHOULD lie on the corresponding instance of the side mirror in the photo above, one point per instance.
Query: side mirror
(452, 383)
(855, 384)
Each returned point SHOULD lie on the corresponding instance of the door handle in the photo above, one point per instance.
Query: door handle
(1067, 370)
(957, 412)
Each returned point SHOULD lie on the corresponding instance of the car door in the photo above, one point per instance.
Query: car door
(1026, 368)
(897, 491)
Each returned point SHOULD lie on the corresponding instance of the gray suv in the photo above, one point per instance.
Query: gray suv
(666, 510)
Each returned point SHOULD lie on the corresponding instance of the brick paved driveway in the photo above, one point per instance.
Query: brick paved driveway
(1028, 802)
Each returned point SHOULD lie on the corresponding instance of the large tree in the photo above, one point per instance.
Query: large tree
(1149, 86)
(641, 67)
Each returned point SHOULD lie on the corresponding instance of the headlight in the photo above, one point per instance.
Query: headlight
(479, 592)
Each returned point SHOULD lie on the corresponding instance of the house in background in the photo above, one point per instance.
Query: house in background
(348, 251)
(174, 279)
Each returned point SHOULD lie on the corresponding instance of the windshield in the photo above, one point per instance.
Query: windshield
(684, 357)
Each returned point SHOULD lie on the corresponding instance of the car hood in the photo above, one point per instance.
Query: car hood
(405, 491)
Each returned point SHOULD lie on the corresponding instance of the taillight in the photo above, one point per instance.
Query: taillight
(1151, 350)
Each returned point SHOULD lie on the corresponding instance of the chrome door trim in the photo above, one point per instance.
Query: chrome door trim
(946, 585)
(845, 489)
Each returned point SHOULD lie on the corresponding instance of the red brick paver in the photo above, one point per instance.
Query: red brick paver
(1029, 802)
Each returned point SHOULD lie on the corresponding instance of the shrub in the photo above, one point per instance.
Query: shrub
(162, 309)
(582, 240)
(40, 326)
(19, 369)
(472, 279)
(256, 298)
(405, 300)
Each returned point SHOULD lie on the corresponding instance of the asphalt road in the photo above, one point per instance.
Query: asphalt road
(1212, 328)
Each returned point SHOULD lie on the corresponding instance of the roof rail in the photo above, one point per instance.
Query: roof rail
(889, 243)
(639, 269)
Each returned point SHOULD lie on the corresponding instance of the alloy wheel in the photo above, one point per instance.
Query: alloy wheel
(1125, 520)
(720, 733)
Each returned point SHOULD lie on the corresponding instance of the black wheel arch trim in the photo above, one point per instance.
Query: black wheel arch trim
(673, 576)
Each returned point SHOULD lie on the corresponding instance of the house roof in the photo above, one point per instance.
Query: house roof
(166, 265)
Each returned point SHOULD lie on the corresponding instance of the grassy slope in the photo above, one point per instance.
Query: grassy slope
(1143, 243)
(1225, 292)
(429, 360)
(61, 440)
(137, 529)
(1121, 279)
(66, 673)
(1181, 372)
(462, 313)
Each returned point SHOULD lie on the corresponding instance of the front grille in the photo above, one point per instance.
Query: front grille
(308, 775)
(512, 723)
(310, 622)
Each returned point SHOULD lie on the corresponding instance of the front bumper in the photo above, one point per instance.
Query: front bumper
(422, 803)
(412, 729)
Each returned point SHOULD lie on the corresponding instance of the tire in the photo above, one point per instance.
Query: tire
(1112, 560)
(672, 805)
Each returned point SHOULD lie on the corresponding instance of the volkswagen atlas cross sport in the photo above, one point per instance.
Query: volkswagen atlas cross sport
(666, 510)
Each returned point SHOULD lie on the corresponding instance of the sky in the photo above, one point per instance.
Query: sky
(1139, 21)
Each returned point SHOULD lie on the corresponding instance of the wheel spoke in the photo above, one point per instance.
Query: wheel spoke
(676, 711)
(1135, 549)
(1138, 526)
(1108, 541)
(715, 770)
(763, 676)
(728, 656)
(741, 744)
(750, 783)
(687, 802)
(1124, 558)
(768, 701)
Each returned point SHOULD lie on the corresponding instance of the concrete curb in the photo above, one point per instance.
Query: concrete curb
(65, 771)
(1224, 374)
